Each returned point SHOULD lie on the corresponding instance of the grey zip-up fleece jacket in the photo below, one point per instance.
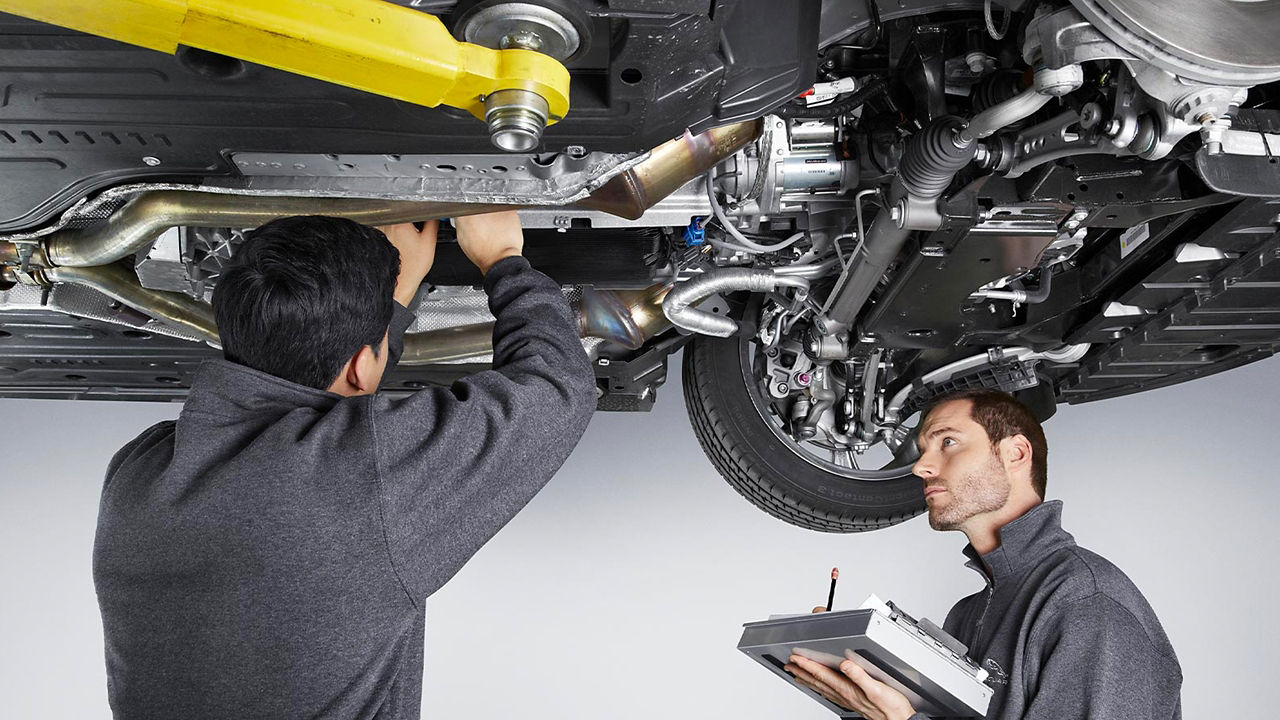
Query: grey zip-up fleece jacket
(268, 554)
(1063, 632)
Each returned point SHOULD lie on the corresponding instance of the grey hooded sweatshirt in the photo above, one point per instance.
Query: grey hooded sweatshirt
(1063, 632)
(268, 554)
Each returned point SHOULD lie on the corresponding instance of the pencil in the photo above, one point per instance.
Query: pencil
(831, 596)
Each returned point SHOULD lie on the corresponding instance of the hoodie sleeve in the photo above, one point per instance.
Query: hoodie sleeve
(1097, 662)
(401, 318)
(455, 464)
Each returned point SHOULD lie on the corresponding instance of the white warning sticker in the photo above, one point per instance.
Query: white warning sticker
(1133, 237)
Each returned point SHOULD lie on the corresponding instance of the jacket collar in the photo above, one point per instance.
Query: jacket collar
(230, 390)
(1024, 543)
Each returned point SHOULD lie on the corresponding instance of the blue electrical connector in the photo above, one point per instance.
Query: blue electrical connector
(695, 234)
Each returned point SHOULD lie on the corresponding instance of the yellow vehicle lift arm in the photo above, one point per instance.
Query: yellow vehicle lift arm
(370, 45)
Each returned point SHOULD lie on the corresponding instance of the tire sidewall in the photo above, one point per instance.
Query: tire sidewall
(756, 445)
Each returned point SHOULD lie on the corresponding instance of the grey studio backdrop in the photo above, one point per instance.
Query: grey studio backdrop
(620, 591)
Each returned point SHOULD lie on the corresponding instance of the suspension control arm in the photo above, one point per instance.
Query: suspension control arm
(369, 45)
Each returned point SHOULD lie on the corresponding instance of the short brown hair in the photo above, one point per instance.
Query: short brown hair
(1001, 415)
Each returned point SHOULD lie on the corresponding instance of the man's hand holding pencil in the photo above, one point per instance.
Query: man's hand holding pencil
(851, 688)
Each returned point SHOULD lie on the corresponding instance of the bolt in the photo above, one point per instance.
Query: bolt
(1089, 115)
(521, 40)
(516, 119)
(982, 155)
(895, 213)
(1112, 128)
(1205, 118)
(576, 151)
(803, 379)
(782, 388)
(1073, 224)
(151, 160)
(771, 352)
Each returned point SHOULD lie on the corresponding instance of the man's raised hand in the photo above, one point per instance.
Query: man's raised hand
(488, 238)
(417, 253)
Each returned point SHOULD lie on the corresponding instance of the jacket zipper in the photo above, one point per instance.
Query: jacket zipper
(986, 605)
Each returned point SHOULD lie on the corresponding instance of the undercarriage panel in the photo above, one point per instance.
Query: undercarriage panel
(1227, 315)
(79, 113)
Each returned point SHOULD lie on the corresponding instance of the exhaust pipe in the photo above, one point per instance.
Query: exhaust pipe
(144, 218)
(627, 318)
(669, 166)
(448, 344)
(623, 317)
(136, 225)
(679, 303)
(117, 283)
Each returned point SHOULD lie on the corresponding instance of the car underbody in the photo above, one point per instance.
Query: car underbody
(838, 210)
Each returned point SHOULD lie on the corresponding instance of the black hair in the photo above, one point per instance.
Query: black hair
(302, 295)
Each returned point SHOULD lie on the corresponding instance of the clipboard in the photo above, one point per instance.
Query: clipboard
(916, 658)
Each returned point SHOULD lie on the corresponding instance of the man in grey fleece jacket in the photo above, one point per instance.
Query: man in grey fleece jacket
(269, 554)
(1062, 632)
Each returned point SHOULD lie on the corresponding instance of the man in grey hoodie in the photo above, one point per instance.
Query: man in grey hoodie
(1062, 632)
(269, 554)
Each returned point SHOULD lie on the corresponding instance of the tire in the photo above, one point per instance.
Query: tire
(764, 469)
